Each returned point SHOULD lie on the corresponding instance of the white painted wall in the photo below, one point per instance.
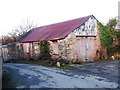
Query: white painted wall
(26, 47)
(89, 28)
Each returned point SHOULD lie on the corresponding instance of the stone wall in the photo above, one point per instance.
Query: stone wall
(35, 50)
(98, 46)
(29, 50)
(66, 48)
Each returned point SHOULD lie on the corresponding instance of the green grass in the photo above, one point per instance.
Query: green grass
(48, 63)
(68, 67)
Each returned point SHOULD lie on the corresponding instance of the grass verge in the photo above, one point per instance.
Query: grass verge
(48, 63)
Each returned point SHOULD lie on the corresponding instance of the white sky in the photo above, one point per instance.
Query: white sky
(14, 13)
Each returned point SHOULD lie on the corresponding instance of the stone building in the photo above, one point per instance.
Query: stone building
(72, 40)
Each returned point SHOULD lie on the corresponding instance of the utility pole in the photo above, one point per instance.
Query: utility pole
(118, 27)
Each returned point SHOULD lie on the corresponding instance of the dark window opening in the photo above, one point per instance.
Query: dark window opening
(54, 41)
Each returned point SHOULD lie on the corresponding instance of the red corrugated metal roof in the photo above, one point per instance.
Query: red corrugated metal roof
(54, 31)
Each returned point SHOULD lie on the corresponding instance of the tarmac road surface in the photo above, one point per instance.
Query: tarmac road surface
(88, 75)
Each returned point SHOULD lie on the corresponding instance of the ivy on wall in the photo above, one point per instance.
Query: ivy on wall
(108, 35)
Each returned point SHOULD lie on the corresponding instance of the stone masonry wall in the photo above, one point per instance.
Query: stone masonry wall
(35, 50)
(66, 48)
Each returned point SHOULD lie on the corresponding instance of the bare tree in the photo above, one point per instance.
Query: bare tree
(17, 33)
(21, 30)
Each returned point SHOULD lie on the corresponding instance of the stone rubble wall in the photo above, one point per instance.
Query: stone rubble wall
(98, 46)
(66, 48)
(35, 50)
(29, 50)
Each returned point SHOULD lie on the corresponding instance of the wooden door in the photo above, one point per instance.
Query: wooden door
(86, 49)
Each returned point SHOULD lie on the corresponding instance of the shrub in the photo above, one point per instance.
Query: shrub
(44, 50)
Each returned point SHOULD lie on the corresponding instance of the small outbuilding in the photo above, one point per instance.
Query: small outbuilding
(71, 40)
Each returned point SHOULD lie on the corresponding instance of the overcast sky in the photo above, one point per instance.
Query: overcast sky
(14, 13)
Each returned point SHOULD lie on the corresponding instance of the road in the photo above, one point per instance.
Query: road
(88, 75)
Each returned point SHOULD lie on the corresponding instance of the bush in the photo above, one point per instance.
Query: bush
(114, 51)
(44, 50)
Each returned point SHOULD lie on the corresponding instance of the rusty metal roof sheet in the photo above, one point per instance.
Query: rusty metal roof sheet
(54, 31)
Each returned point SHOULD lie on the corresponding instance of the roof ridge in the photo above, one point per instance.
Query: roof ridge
(63, 21)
